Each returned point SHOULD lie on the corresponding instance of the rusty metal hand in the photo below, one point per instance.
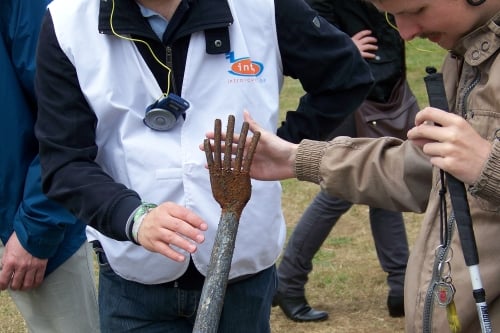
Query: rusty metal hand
(231, 187)
(230, 178)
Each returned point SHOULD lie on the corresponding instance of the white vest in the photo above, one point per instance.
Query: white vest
(168, 166)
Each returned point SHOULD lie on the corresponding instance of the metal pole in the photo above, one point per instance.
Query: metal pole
(231, 187)
(214, 288)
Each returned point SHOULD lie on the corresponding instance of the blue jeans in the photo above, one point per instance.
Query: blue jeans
(127, 306)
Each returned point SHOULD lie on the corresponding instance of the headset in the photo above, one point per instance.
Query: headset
(475, 2)
(163, 113)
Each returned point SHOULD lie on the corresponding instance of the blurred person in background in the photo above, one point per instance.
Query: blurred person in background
(384, 50)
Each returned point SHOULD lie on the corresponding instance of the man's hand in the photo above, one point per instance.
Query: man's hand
(169, 225)
(453, 146)
(19, 269)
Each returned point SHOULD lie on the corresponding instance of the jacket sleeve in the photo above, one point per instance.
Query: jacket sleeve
(487, 186)
(70, 175)
(39, 222)
(383, 172)
(328, 65)
(324, 8)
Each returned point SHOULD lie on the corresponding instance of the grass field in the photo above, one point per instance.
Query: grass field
(347, 280)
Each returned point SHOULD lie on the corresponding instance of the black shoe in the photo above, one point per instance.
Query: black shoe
(297, 309)
(396, 306)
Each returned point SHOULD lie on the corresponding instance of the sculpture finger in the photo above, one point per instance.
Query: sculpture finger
(217, 144)
(241, 146)
(208, 153)
(229, 142)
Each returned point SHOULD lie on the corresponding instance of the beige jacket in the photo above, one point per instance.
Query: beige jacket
(393, 174)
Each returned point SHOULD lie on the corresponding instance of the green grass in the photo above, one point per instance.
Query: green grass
(347, 280)
(420, 54)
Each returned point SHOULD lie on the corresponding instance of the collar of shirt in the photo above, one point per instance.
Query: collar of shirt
(157, 22)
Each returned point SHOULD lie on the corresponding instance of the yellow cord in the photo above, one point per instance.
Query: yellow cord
(169, 70)
(389, 21)
(408, 42)
(452, 316)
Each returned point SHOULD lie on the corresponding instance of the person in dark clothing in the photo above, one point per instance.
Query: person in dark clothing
(383, 49)
(141, 181)
(44, 252)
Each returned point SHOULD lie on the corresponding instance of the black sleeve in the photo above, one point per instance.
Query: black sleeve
(324, 8)
(329, 66)
(65, 129)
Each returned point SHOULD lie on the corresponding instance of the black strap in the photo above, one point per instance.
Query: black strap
(458, 193)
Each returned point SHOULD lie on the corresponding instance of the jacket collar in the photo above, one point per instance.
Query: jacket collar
(480, 44)
(191, 16)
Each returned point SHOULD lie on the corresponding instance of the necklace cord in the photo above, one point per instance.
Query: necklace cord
(169, 70)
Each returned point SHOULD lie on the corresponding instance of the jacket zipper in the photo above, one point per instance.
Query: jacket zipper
(468, 91)
(168, 62)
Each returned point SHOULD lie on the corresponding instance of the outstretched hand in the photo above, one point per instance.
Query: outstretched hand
(273, 158)
(453, 146)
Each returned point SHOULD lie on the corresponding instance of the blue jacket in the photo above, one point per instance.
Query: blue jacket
(44, 228)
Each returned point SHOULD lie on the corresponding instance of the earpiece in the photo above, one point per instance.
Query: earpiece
(475, 2)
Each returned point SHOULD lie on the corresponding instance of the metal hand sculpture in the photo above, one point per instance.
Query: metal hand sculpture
(231, 187)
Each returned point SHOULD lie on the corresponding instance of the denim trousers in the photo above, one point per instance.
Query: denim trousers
(128, 306)
(388, 231)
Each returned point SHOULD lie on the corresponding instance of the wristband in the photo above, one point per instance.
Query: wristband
(139, 215)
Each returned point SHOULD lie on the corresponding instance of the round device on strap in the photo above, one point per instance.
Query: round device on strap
(162, 115)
